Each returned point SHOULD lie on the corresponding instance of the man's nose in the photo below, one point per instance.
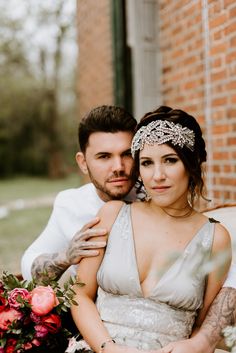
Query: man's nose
(117, 164)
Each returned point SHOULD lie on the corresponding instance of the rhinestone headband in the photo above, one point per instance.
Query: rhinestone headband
(162, 131)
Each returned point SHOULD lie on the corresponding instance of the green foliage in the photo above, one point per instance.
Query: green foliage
(35, 127)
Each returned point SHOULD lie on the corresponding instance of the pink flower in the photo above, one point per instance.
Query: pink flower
(27, 346)
(35, 318)
(15, 294)
(52, 322)
(43, 300)
(8, 316)
(35, 342)
(40, 331)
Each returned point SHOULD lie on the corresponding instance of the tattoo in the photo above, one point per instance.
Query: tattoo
(48, 266)
(221, 314)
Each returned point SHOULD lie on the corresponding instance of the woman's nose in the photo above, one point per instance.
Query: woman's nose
(159, 172)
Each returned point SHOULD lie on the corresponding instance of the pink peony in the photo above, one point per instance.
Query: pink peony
(52, 322)
(40, 331)
(43, 300)
(8, 316)
(15, 294)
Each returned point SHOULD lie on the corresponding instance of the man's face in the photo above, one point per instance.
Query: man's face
(109, 164)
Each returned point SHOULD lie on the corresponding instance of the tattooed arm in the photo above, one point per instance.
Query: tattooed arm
(54, 265)
(221, 314)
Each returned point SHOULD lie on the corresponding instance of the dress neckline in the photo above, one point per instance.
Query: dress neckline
(179, 257)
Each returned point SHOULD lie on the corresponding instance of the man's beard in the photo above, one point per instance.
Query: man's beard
(113, 195)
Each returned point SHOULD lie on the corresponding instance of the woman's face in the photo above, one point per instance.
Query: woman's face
(164, 175)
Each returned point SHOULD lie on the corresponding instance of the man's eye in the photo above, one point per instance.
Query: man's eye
(128, 154)
(103, 156)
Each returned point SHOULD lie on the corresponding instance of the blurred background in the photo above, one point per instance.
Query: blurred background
(60, 59)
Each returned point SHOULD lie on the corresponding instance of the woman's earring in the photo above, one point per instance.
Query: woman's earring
(142, 194)
(145, 195)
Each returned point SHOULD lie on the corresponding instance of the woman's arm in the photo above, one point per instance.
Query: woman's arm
(85, 315)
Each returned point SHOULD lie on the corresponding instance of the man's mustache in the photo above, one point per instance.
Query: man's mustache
(116, 175)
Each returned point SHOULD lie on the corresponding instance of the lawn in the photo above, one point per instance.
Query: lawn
(22, 226)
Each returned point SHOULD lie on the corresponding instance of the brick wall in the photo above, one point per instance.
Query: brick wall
(198, 46)
(197, 41)
(95, 71)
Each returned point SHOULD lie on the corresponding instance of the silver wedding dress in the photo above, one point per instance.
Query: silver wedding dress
(168, 313)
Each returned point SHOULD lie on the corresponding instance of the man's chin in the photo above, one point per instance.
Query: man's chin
(117, 194)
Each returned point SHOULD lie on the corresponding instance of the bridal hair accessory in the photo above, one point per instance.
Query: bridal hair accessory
(162, 131)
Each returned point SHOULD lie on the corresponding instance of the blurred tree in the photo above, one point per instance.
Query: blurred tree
(35, 112)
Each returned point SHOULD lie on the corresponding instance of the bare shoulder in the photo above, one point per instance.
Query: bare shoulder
(108, 213)
(222, 240)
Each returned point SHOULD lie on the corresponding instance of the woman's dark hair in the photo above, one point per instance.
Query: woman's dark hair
(104, 118)
(192, 160)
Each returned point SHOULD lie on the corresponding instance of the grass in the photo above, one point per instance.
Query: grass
(31, 187)
(21, 227)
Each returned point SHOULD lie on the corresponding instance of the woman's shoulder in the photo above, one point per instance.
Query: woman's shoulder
(221, 235)
(109, 212)
(222, 239)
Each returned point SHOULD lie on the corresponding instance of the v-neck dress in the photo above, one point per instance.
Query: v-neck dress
(168, 313)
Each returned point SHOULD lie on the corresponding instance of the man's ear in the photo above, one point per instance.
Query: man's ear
(81, 161)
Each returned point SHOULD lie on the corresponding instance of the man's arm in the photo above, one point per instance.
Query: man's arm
(55, 264)
(221, 314)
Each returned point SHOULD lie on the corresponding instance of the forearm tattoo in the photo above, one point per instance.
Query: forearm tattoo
(48, 266)
(221, 314)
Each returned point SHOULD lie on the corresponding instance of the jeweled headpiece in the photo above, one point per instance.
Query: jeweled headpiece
(162, 131)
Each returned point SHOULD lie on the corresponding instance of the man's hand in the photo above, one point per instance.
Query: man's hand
(54, 265)
(81, 245)
(185, 346)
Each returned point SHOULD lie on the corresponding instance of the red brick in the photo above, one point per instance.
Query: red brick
(218, 21)
(219, 101)
(231, 57)
(218, 48)
(220, 129)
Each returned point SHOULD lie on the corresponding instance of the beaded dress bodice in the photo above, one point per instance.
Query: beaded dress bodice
(168, 313)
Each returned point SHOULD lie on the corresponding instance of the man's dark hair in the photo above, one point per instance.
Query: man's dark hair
(105, 118)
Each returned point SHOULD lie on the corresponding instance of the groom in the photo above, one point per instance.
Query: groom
(105, 136)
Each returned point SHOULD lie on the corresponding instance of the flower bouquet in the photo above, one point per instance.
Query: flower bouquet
(32, 317)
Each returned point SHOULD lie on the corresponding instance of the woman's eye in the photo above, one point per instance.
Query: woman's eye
(145, 163)
(171, 160)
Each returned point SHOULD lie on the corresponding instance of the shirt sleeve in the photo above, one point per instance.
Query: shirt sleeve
(231, 278)
(61, 227)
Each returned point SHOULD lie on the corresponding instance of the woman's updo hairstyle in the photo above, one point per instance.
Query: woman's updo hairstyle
(192, 160)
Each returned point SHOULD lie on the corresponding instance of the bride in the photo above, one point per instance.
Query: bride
(152, 285)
